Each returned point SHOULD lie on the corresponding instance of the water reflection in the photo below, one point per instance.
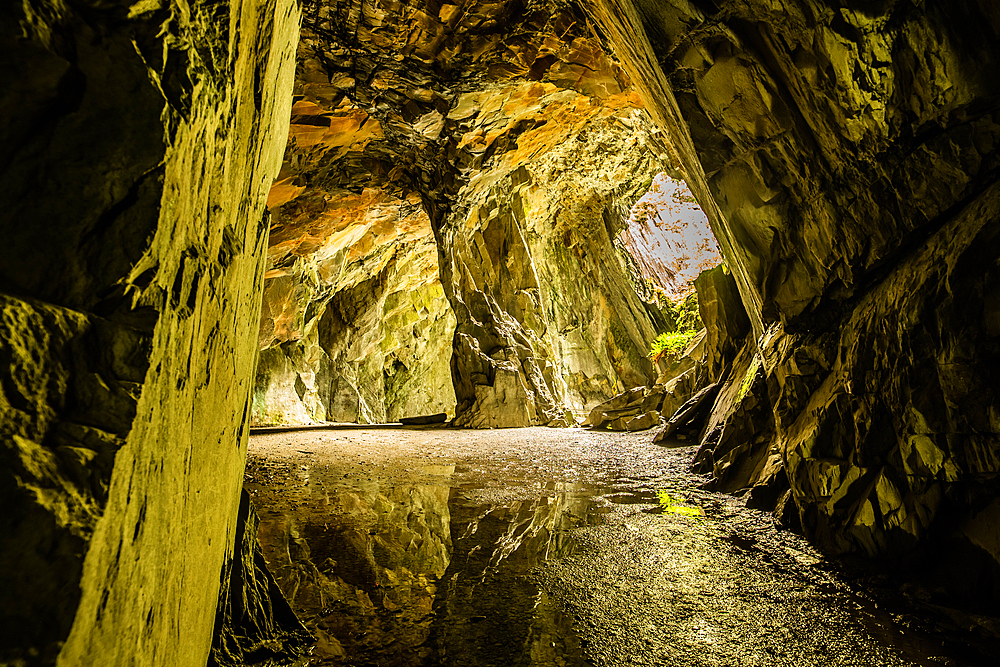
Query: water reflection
(393, 562)
(411, 574)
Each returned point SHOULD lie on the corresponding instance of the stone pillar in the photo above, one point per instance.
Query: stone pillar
(138, 144)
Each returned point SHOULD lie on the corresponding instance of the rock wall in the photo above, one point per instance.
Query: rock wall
(520, 139)
(847, 156)
(354, 324)
(549, 317)
(138, 145)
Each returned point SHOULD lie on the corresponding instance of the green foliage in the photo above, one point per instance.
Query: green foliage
(685, 313)
(670, 344)
(687, 321)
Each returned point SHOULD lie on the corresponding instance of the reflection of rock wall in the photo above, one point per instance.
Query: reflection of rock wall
(847, 160)
(487, 608)
(363, 575)
(254, 624)
(137, 149)
(416, 574)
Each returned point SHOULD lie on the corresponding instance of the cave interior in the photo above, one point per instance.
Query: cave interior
(224, 214)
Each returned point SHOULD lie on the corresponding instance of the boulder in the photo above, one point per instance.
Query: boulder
(626, 404)
(644, 421)
(617, 424)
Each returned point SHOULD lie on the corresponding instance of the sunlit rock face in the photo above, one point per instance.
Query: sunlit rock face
(138, 148)
(507, 136)
(846, 157)
(551, 318)
(354, 323)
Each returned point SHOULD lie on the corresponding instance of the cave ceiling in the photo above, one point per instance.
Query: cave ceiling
(418, 97)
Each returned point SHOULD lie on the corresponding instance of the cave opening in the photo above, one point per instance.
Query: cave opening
(428, 208)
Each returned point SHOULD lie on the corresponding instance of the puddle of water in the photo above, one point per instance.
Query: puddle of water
(410, 574)
(489, 560)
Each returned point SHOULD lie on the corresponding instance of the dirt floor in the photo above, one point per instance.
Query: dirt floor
(429, 546)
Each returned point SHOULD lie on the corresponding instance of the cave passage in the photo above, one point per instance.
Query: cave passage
(429, 546)
(377, 348)
(421, 202)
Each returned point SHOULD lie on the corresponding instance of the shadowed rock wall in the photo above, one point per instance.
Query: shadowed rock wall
(847, 156)
(137, 147)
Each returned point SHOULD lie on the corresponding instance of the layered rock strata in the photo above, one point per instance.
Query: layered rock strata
(138, 145)
(847, 158)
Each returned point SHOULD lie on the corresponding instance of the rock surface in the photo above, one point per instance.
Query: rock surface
(138, 145)
(522, 142)
(846, 157)
(354, 323)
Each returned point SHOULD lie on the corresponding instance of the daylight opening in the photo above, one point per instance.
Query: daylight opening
(669, 237)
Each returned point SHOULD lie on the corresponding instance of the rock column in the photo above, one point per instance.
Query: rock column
(138, 146)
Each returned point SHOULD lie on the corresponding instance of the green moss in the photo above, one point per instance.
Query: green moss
(674, 506)
(748, 378)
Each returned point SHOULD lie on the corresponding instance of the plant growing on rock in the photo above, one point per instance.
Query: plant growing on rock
(670, 344)
(688, 323)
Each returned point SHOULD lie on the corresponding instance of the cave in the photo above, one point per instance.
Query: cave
(227, 214)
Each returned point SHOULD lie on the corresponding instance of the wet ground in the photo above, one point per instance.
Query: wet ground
(538, 547)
